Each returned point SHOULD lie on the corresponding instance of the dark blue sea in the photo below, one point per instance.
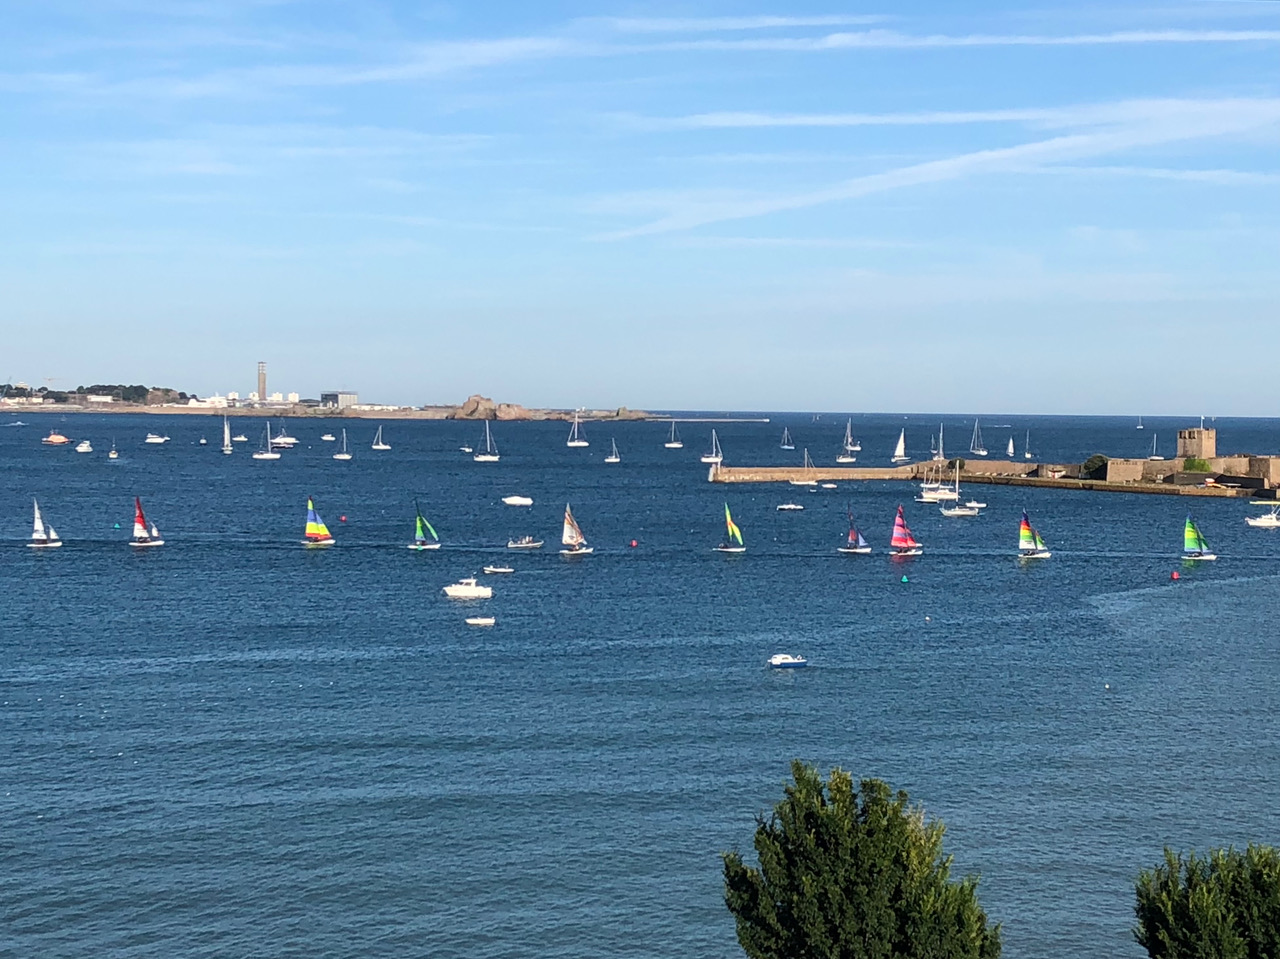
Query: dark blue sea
(234, 746)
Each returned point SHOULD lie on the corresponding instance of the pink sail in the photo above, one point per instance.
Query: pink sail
(902, 537)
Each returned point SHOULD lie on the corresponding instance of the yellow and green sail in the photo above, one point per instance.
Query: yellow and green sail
(735, 534)
(316, 530)
(423, 527)
(1193, 540)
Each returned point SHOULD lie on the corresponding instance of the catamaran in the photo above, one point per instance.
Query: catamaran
(716, 455)
(848, 447)
(268, 451)
(1030, 545)
(143, 534)
(674, 442)
(378, 442)
(571, 536)
(976, 446)
(613, 456)
(423, 529)
(809, 478)
(902, 543)
(226, 436)
(42, 536)
(343, 453)
(490, 452)
(733, 541)
(1009, 451)
(855, 543)
(787, 442)
(577, 438)
(900, 451)
(1194, 546)
(317, 534)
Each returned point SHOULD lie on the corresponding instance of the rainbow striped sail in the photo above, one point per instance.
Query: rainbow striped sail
(1029, 541)
(902, 538)
(317, 534)
(735, 534)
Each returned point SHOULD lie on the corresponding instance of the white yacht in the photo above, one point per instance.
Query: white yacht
(497, 570)
(848, 448)
(267, 452)
(42, 536)
(577, 439)
(716, 455)
(343, 453)
(327, 437)
(518, 500)
(976, 446)
(674, 442)
(84, 446)
(226, 436)
(490, 452)
(613, 456)
(283, 440)
(155, 439)
(1269, 520)
(787, 661)
(468, 589)
(378, 442)
(524, 542)
(480, 621)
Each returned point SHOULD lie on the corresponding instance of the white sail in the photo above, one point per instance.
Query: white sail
(938, 454)
(975, 443)
(571, 534)
(139, 530)
(1009, 451)
(576, 437)
(53, 535)
(848, 436)
(38, 534)
(226, 435)
(900, 451)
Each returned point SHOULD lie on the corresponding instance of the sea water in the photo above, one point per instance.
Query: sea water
(235, 746)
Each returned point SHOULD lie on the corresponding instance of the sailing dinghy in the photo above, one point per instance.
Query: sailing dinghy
(143, 534)
(1194, 545)
(848, 447)
(1030, 545)
(855, 543)
(900, 451)
(716, 455)
(902, 543)
(422, 530)
(42, 536)
(577, 439)
(571, 536)
(317, 534)
(490, 452)
(733, 541)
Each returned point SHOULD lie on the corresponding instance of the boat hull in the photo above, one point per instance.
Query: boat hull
(536, 545)
(480, 621)
(730, 549)
(318, 543)
(1265, 522)
(673, 446)
(483, 592)
(1199, 557)
(143, 544)
(419, 547)
(497, 570)
(485, 458)
(708, 458)
(46, 545)
(577, 444)
(1034, 554)
(854, 550)
(582, 551)
(899, 551)
(613, 459)
(900, 459)
(342, 457)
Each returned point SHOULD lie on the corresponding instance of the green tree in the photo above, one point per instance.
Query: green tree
(1095, 467)
(1225, 905)
(849, 873)
(1193, 464)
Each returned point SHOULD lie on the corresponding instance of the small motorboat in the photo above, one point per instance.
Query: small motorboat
(468, 589)
(785, 507)
(1269, 520)
(495, 570)
(958, 510)
(239, 438)
(518, 500)
(974, 504)
(55, 439)
(155, 439)
(465, 449)
(327, 437)
(480, 620)
(524, 542)
(203, 441)
(827, 485)
(84, 446)
(787, 661)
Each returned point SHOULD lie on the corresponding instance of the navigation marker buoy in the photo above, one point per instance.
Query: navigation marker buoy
(904, 577)
(1175, 575)
(342, 519)
(634, 544)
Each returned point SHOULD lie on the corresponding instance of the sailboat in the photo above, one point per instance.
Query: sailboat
(902, 543)
(1030, 545)
(716, 455)
(143, 534)
(42, 537)
(787, 442)
(1026, 446)
(613, 456)
(226, 436)
(343, 453)
(576, 437)
(976, 446)
(900, 451)
(733, 541)
(855, 543)
(421, 531)
(571, 536)
(1139, 422)
(378, 442)
(490, 452)
(267, 452)
(809, 479)
(1154, 455)
(938, 455)
(1194, 546)
(674, 442)
(1009, 451)
(317, 534)
(848, 448)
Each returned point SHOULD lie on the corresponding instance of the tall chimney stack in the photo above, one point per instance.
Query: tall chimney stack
(262, 382)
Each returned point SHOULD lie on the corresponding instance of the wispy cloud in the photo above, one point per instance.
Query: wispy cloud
(715, 24)
(1216, 177)
(1161, 122)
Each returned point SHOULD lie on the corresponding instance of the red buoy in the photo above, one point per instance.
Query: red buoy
(342, 519)
(1175, 575)
(634, 544)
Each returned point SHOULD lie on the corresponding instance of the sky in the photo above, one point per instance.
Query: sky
(1030, 207)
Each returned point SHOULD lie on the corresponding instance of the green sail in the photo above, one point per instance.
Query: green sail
(1192, 539)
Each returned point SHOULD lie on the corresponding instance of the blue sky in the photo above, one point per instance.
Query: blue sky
(1020, 207)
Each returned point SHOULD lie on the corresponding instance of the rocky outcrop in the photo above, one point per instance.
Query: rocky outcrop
(477, 407)
(513, 411)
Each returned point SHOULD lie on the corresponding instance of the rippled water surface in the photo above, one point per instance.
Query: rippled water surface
(235, 746)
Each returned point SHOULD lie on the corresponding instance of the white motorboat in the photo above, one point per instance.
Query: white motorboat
(1269, 520)
(42, 536)
(716, 455)
(782, 507)
(379, 443)
(480, 620)
(113, 454)
(155, 439)
(490, 454)
(958, 510)
(327, 437)
(524, 542)
(827, 485)
(974, 504)
(343, 453)
(787, 661)
(84, 446)
(203, 442)
(465, 449)
(518, 500)
(674, 442)
(577, 439)
(497, 570)
(468, 589)
(613, 457)
(283, 440)
(239, 438)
